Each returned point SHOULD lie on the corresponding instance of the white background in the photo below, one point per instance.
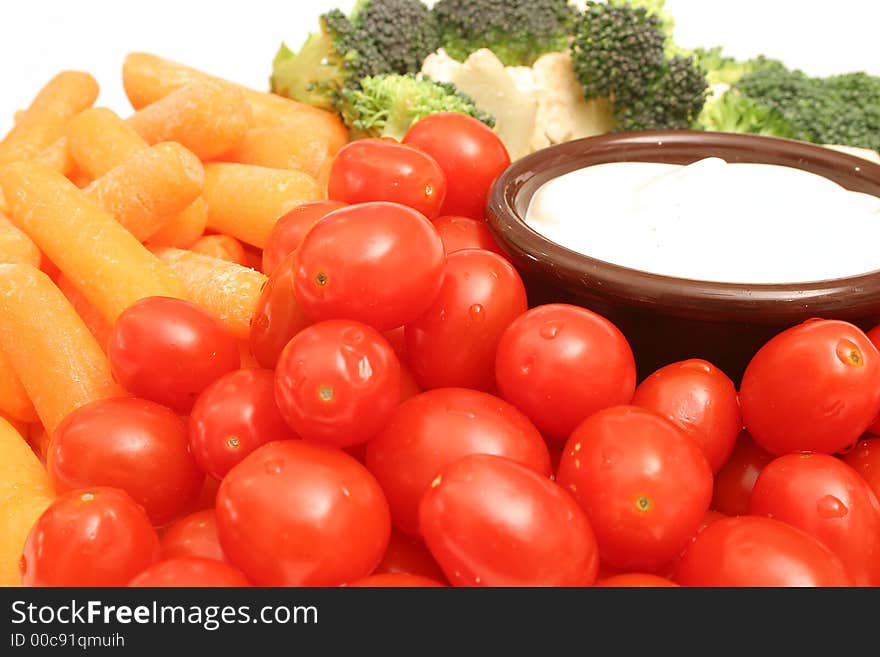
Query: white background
(237, 40)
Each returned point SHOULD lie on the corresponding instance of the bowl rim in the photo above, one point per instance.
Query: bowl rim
(579, 273)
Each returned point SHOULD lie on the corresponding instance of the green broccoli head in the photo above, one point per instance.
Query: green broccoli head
(388, 105)
(617, 52)
(404, 31)
(734, 112)
(336, 57)
(672, 102)
(517, 31)
(723, 69)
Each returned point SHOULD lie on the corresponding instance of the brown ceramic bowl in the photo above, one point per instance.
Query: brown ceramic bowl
(665, 318)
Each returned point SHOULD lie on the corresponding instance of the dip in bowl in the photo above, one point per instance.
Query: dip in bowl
(708, 290)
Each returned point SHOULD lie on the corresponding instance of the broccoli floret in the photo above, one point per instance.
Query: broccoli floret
(405, 31)
(772, 99)
(338, 56)
(517, 31)
(620, 53)
(388, 105)
(723, 69)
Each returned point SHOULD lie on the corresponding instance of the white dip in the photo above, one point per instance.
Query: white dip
(712, 221)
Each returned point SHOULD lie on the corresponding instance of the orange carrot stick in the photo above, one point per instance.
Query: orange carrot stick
(226, 290)
(94, 321)
(245, 200)
(103, 260)
(63, 97)
(14, 400)
(184, 229)
(100, 140)
(56, 358)
(16, 246)
(208, 117)
(57, 156)
(147, 78)
(150, 188)
(221, 246)
(24, 495)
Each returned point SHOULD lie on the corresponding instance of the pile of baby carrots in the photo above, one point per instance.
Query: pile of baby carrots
(98, 211)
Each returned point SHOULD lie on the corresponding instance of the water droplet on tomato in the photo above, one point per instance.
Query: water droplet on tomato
(527, 365)
(476, 313)
(550, 330)
(831, 507)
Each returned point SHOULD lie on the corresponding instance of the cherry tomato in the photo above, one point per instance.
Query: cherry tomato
(377, 263)
(132, 444)
(454, 343)
(826, 498)
(409, 387)
(388, 580)
(459, 233)
(289, 231)
(430, 431)
(708, 519)
(755, 551)
(699, 398)
(232, 417)
(470, 154)
(559, 364)
(644, 485)
(490, 521)
(636, 580)
(408, 555)
(194, 535)
(736, 479)
(298, 514)
(865, 459)
(337, 382)
(89, 537)
(277, 317)
(385, 170)
(169, 350)
(190, 571)
(812, 388)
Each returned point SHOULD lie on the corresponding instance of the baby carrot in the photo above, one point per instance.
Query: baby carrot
(100, 140)
(226, 290)
(208, 117)
(14, 400)
(16, 246)
(221, 246)
(24, 495)
(150, 188)
(62, 98)
(245, 200)
(185, 228)
(57, 360)
(57, 156)
(94, 321)
(102, 259)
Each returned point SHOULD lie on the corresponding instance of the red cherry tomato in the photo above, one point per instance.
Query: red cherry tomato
(337, 382)
(559, 364)
(644, 485)
(194, 535)
(89, 537)
(708, 519)
(277, 317)
(190, 571)
(459, 233)
(289, 231)
(409, 387)
(232, 417)
(454, 343)
(699, 398)
(826, 498)
(736, 479)
(430, 431)
(490, 521)
(132, 444)
(470, 154)
(755, 551)
(298, 514)
(865, 459)
(169, 350)
(389, 580)
(636, 580)
(812, 388)
(377, 263)
(408, 555)
(384, 170)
